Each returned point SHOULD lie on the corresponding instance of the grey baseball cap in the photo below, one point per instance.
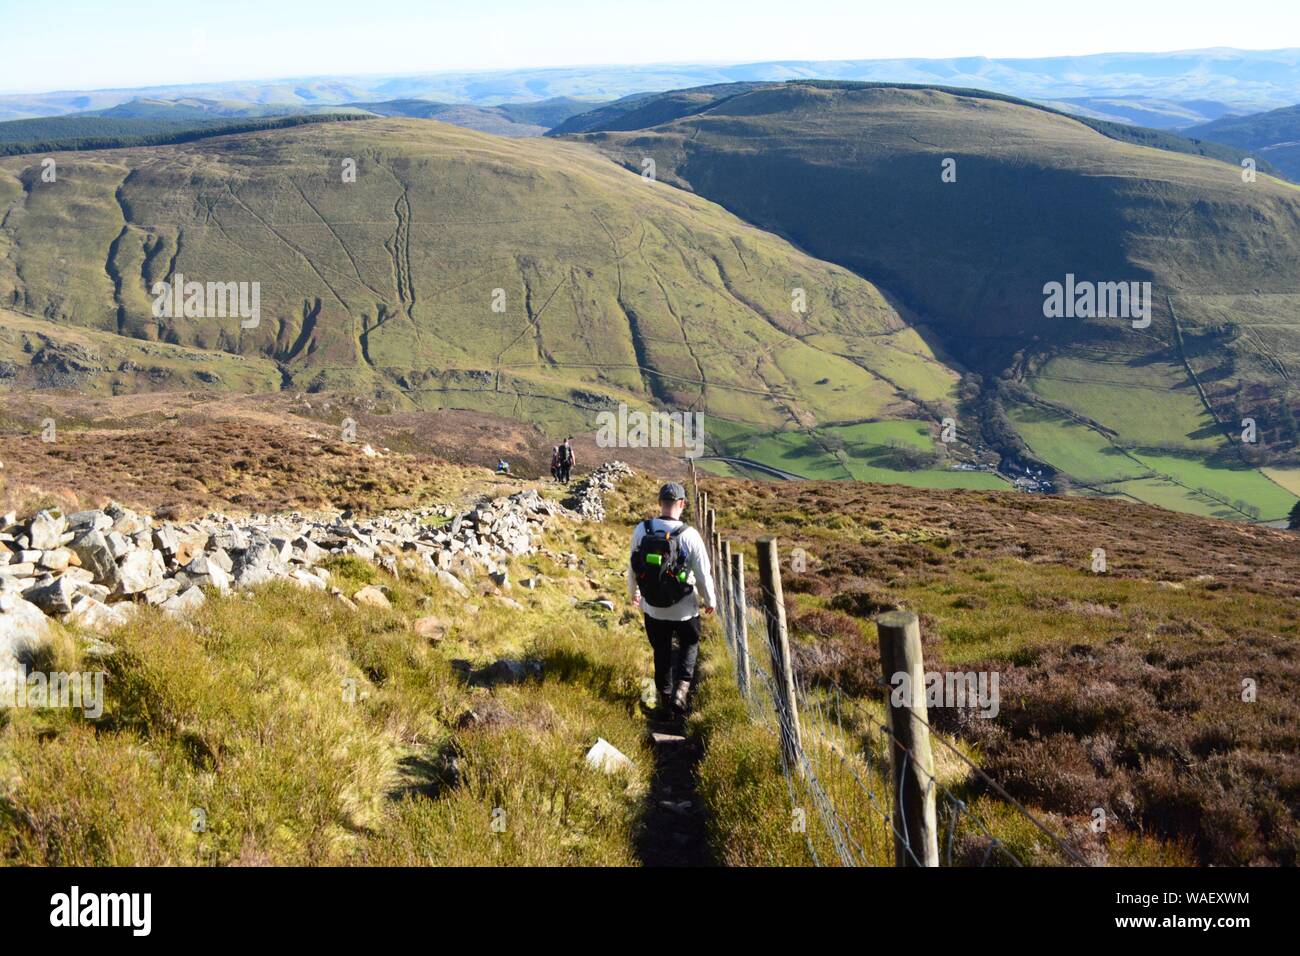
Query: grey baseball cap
(672, 492)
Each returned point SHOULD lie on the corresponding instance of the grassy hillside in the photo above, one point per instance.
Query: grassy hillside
(238, 713)
(853, 173)
(147, 128)
(612, 288)
(651, 109)
(39, 354)
(1119, 690)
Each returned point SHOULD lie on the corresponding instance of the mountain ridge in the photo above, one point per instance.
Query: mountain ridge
(852, 173)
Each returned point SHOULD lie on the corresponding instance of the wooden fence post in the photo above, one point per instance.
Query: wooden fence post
(738, 611)
(778, 640)
(710, 536)
(722, 583)
(715, 546)
(701, 516)
(916, 831)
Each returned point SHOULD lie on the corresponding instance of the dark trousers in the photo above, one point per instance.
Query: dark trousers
(661, 634)
(564, 472)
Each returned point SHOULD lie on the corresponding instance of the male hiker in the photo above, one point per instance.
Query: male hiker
(669, 563)
(566, 460)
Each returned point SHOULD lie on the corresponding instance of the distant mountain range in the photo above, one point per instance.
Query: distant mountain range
(925, 300)
(1273, 136)
(508, 119)
(149, 121)
(1241, 81)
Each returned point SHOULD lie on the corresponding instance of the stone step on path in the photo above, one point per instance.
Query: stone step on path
(673, 827)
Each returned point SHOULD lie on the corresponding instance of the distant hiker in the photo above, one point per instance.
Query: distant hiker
(503, 467)
(566, 460)
(669, 565)
(555, 462)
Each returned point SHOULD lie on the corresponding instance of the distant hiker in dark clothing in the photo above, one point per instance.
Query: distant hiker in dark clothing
(555, 462)
(669, 566)
(566, 460)
(503, 467)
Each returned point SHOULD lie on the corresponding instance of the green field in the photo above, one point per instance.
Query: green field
(1236, 483)
(1076, 449)
(864, 451)
(1176, 481)
(1146, 403)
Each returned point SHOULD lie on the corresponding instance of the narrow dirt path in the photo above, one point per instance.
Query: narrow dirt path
(673, 831)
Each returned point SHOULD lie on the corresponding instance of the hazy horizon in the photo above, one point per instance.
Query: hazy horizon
(195, 44)
(596, 65)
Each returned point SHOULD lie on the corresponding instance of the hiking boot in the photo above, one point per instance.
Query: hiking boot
(680, 697)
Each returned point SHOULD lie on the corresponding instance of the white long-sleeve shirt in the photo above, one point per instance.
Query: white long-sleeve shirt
(701, 576)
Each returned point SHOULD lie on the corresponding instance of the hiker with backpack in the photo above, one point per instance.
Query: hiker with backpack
(669, 568)
(566, 460)
(555, 462)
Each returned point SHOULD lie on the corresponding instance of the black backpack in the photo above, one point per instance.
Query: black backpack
(660, 566)
(566, 455)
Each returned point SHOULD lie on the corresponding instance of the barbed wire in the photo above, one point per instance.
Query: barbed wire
(832, 766)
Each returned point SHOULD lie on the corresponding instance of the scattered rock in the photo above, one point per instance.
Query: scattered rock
(451, 581)
(91, 548)
(203, 571)
(504, 671)
(23, 628)
(54, 598)
(95, 615)
(56, 560)
(431, 628)
(307, 579)
(45, 531)
(605, 756)
(189, 600)
(77, 566)
(371, 596)
(140, 570)
(163, 592)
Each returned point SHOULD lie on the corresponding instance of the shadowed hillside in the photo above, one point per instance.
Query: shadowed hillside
(855, 174)
(1273, 136)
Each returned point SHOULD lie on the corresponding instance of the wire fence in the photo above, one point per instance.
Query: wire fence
(853, 783)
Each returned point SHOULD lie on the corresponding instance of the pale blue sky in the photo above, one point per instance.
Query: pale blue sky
(93, 44)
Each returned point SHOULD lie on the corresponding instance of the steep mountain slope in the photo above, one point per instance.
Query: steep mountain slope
(529, 278)
(855, 175)
(1274, 136)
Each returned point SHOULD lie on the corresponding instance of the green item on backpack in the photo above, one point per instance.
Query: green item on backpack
(659, 566)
